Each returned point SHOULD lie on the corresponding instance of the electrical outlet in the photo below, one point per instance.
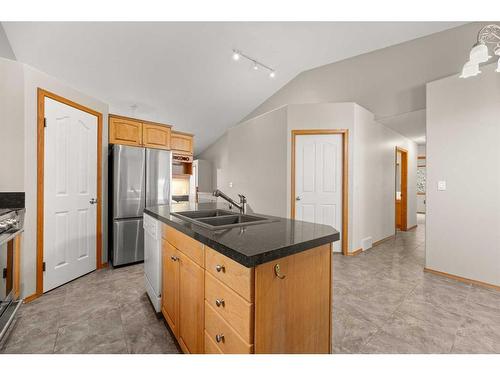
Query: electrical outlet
(441, 185)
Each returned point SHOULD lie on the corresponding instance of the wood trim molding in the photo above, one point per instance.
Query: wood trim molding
(412, 227)
(462, 279)
(42, 94)
(345, 177)
(404, 186)
(379, 242)
(182, 133)
(138, 120)
(354, 253)
(31, 297)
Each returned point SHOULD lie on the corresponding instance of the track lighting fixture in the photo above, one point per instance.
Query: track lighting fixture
(256, 65)
(489, 34)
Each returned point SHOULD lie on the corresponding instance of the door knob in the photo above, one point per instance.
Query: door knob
(220, 302)
(297, 198)
(93, 201)
(175, 259)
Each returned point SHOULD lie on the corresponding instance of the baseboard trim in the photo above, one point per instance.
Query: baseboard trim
(354, 253)
(31, 297)
(413, 227)
(462, 279)
(376, 243)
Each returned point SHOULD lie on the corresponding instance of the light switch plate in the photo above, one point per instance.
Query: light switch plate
(230, 184)
(441, 185)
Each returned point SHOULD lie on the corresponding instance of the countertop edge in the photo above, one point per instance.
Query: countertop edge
(248, 261)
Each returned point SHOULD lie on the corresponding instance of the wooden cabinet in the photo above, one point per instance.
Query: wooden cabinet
(215, 305)
(183, 289)
(125, 131)
(293, 315)
(170, 288)
(156, 136)
(182, 142)
(134, 132)
(191, 311)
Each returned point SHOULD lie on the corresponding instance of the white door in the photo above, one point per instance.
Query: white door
(318, 180)
(70, 186)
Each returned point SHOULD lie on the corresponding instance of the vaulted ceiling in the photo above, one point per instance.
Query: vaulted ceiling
(183, 74)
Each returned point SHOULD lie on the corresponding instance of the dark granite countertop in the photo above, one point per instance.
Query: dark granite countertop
(253, 244)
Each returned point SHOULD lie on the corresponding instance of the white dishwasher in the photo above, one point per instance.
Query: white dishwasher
(152, 260)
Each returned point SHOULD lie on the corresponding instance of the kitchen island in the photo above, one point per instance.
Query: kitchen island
(257, 287)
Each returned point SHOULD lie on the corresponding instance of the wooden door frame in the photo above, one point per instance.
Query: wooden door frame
(41, 95)
(345, 177)
(404, 187)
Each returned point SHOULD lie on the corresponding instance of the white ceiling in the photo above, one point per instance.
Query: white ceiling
(183, 74)
(412, 125)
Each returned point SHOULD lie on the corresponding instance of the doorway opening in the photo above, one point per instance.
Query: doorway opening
(60, 179)
(319, 179)
(401, 189)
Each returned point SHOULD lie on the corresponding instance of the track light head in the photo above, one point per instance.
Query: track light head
(255, 66)
(272, 74)
(236, 55)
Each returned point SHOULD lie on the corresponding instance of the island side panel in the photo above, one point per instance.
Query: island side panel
(293, 314)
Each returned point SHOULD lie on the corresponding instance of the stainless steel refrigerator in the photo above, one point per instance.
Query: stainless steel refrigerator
(139, 177)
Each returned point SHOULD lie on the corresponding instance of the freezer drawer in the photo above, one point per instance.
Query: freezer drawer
(128, 241)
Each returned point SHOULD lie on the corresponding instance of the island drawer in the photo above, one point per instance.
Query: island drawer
(231, 306)
(225, 337)
(210, 345)
(232, 274)
(185, 244)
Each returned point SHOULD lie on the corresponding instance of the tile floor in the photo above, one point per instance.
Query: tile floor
(106, 311)
(383, 303)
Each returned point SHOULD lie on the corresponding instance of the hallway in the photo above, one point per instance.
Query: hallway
(385, 303)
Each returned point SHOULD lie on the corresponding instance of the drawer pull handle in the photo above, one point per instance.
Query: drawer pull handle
(175, 259)
(219, 337)
(220, 302)
(219, 268)
(277, 271)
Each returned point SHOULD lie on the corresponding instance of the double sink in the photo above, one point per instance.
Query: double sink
(217, 219)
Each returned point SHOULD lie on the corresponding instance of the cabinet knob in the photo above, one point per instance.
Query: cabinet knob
(175, 259)
(219, 268)
(219, 337)
(220, 302)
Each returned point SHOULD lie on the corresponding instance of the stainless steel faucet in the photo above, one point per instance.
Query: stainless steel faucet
(242, 206)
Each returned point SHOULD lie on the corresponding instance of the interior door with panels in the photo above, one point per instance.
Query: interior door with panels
(70, 193)
(318, 180)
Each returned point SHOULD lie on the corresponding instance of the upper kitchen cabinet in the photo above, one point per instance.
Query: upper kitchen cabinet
(156, 136)
(182, 142)
(125, 131)
(135, 132)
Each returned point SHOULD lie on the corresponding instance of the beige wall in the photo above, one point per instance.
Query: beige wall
(11, 126)
(463, 222)
(18, 145)
(371, 164)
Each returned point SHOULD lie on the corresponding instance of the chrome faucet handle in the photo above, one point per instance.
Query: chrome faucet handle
(243, 199)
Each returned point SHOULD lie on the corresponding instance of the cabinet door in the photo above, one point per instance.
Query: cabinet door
(191, 305)
(156, 136)
(125, 132)
(182, 143)
(170, 288)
